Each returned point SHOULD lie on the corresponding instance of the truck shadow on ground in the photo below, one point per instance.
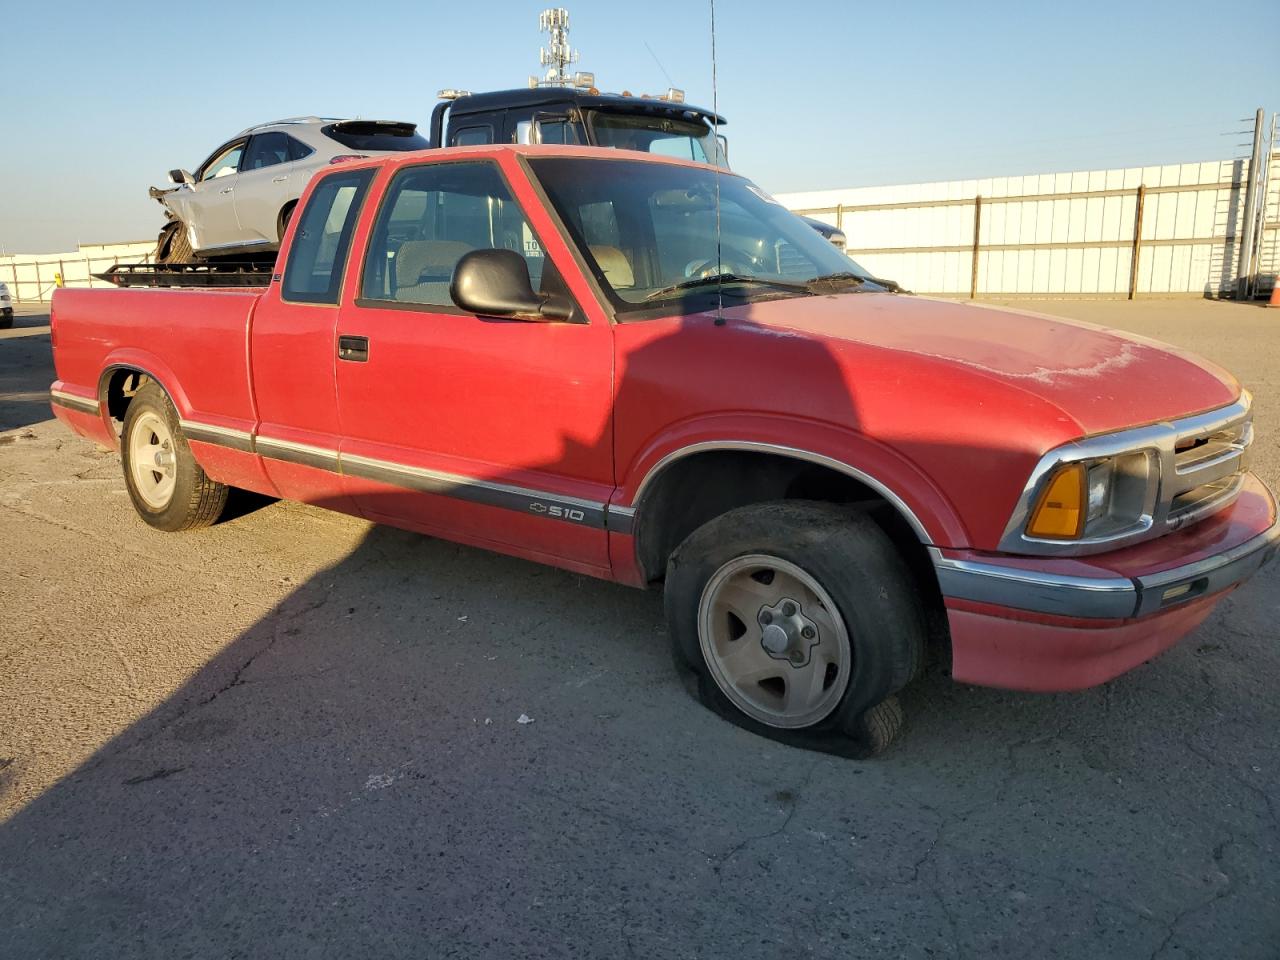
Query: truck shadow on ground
(351, 775)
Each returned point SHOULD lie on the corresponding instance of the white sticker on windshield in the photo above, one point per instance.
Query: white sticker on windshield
(761, 194)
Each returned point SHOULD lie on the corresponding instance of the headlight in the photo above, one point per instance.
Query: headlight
(1103, 497)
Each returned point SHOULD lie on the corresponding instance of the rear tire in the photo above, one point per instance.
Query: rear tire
(6, 321)
(801, 620)
(285, 216)
(168, 488)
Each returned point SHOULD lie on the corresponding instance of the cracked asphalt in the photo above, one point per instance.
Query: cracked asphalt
(296, 735)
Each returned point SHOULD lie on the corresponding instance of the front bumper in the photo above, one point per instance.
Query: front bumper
(1065, 624)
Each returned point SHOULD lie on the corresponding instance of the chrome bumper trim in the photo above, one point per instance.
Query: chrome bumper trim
(1160, 591)
(1104, 598)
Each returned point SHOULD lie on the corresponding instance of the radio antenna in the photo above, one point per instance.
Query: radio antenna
(715, 135)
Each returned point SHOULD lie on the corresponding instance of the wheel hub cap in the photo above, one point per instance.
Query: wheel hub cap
(152, 462)
(787, 634)
(773, 641)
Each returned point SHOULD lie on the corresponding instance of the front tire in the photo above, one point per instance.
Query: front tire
(173, 245)
(168, 488)
(801, 620)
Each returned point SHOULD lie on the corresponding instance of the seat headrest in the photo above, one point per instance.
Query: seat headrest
(616, 266)
(437, 257)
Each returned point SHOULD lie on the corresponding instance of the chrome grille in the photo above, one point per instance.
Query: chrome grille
(1208, 469)
(1198, 465)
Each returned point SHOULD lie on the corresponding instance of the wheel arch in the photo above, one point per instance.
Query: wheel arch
(693, 484)
(121, 379)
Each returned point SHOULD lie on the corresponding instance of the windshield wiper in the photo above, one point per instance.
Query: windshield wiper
(725, 278)
(856, 278)
(839, 277)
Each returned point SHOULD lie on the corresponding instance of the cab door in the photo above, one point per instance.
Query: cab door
(495, 432)
(212, 214)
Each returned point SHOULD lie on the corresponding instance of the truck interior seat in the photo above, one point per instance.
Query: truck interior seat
(426, 264)
(616, 266)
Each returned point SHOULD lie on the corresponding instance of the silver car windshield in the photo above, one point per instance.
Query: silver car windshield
(649, 233)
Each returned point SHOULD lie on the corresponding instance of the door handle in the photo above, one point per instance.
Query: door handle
(353, 349)
(228, 190)
(279, 179)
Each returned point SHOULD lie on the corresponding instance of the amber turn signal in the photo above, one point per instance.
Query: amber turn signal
(1060, 511)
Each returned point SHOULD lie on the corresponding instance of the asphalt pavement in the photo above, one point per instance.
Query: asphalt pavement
(295, 734)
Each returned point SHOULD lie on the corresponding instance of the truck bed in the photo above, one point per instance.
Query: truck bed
(194, 341)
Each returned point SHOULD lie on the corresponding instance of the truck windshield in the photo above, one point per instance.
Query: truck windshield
(685, 139)
(648, 232)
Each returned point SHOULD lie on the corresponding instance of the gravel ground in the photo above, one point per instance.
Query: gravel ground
(295, 734)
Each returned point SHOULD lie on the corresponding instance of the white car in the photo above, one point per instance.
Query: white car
(238, 201)
(6, 307)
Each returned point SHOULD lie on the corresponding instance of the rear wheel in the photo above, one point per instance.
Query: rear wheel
(801, 621)
(168, 488)
(285, 216)
(6, 320)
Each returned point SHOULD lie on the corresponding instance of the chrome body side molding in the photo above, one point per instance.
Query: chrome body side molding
(539, 503)
(74, 402)
(221, 436)
(507, 496)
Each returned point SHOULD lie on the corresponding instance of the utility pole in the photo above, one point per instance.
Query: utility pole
(1244, 272)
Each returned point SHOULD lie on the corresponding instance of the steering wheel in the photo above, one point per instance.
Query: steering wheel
(732, 260)
(709, 268)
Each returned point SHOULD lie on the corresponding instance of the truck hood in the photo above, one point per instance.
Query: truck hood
(1101, 379)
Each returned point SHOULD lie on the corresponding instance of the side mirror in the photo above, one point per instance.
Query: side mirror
(180, 177)
(496, 283)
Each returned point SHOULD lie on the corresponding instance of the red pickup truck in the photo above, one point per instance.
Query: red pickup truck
(647, 370)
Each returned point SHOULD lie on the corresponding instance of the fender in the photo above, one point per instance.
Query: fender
(129, 358)
(921, 502)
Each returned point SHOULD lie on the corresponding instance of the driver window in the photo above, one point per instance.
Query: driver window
(432, 217)
(556, 130)
(225, 164)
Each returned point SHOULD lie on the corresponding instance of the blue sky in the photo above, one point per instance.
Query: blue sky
(101, 100)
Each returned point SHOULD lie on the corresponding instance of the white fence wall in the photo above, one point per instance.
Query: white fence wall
(32, 277)
(1055, 234)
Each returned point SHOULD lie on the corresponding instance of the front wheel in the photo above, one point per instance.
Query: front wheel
(168, 488)
(173, 245)
(801, 621)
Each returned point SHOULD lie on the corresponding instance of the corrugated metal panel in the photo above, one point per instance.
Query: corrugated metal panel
(1051, 240)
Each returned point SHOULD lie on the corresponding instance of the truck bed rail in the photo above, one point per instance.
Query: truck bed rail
(217, 274)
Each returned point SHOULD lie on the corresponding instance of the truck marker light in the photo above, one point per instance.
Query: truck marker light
(1060, 511)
